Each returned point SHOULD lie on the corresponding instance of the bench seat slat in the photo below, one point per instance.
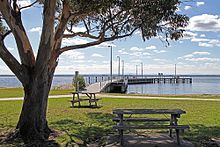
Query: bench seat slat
(141, 119)
(124, 127)
(79, 100)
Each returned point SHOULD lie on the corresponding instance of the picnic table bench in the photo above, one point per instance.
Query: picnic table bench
(90, 97)
(170, 123)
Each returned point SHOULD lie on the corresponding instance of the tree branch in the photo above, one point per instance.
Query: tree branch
(28, 5)
(12, 63)
(80, 34)
(6, 34)
(47, 35)
(97, 42)
(13, 19)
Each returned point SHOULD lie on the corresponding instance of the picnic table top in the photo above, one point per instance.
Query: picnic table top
(148, 111)
(84, 92)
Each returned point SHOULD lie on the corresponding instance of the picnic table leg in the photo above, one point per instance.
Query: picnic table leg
(121, 130)
(95, 100)
(171, 123)
(89, 95)
(177, 130)
(177, 136)
(73, 99)
(78, 100)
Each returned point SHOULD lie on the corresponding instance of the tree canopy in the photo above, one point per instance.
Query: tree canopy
(102, 20)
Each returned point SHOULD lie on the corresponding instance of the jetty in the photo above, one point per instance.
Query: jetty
(119, 84)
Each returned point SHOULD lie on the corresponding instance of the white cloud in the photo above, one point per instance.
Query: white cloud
(199, 40)
(76, 29)
(136, 49)
(35, 29)
(189, 35)
(138, 54)
(73, 55)
(97, 55)
(146, 53)
(73, 41)
(201, 53)
(204, 22)
(136, 61)
(200, 3)
(187, 7)
(159, 51)
(214, 41)
(188, 56)
(202, 35)
(202, 44)
(161, 61)
(152, 47)
(203, 59)
(123, 52)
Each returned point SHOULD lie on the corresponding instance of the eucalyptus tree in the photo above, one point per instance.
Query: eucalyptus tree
(103, 20)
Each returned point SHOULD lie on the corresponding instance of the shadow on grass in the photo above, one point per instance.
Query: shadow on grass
(202, 135)
(83, 106)
(13, 139)
(95, 130)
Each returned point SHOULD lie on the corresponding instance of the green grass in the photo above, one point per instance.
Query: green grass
(86, 125)
(18, 92)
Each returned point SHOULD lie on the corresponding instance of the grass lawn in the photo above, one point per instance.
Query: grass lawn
(18, 92)
(86, 125)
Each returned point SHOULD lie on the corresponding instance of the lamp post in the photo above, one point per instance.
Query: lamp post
(122, 61)
(118, 66)
(175, 71)
(136, 70)
(110, 62)
(142, 69)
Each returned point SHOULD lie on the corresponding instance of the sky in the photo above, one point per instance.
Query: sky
(198, 52)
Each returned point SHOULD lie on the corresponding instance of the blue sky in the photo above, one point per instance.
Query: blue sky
(197, 53)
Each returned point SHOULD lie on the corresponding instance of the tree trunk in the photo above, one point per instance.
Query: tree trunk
(32, 124)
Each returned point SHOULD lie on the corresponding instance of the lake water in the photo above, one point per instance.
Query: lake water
(200, 85)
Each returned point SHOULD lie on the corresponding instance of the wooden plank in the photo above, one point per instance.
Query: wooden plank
(127, 127)
(142, 119)
(148, 111)
(91, 100)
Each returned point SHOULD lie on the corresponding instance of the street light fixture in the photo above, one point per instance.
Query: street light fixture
(110, 62)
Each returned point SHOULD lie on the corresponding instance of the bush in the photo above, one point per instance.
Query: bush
(81, 82)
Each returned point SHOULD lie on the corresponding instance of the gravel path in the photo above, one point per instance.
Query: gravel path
(125, 96)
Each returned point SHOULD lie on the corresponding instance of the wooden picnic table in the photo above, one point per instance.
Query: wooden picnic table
(123, 122)
(90, 97)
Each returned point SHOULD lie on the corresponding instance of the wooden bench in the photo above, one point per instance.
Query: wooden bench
(91, 98)
(123, 123)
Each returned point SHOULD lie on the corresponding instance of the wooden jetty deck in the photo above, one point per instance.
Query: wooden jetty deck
(159, 80)
(119, 84)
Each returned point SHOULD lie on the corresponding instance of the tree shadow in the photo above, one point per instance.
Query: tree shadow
(85, 106)
(13, 139)
(94, 131)
(202, 135)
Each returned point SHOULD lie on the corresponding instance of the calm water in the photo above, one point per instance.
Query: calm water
(200, 85)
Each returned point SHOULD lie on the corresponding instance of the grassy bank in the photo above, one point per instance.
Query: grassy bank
(94, 125)
(18, 92)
